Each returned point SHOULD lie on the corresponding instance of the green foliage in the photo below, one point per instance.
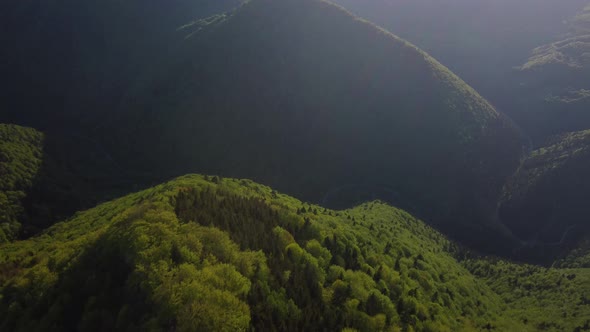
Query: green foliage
(579, 257)
(229, 255)
(544, 299)
(21, 152)
(549, 159)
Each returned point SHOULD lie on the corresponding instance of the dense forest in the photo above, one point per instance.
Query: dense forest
(428, 177)
(21, 151)
(224, 255)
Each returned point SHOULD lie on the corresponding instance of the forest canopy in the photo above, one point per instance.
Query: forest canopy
(226, 255)
(21, 152)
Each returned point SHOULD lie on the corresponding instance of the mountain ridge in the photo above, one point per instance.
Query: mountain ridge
(246, 256)
(293, 90)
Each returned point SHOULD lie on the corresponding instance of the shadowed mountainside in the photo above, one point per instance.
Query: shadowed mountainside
(80, 58)
(481, 41)
(545, 202)
(300, 95)
(305, 97)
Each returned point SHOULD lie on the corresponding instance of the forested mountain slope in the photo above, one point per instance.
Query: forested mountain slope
(303, 96)
(21, 153)
(228, 255)
(546, 201)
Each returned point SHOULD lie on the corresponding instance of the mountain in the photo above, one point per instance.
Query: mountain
(222, 254)
(303, 96)
(80, 58)
(545, 201)
(21, 151)
(67, 66)
(319, 104)
(554, 87)
(47, 177)
(481, 41)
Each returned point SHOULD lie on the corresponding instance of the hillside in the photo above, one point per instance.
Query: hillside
(542, 299)
(568, 53)
(339, 121)
(339, 111)
(21, 151)
(303, 96)
(578, 256)
(80, 58)
(228, 255)
(555, 90)
(45, 178)
(481, 41)
(68, 66)
(545, 202)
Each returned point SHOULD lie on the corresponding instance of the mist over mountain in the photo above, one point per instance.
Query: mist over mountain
(487, 42)
(481, 41)
(554, 82)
